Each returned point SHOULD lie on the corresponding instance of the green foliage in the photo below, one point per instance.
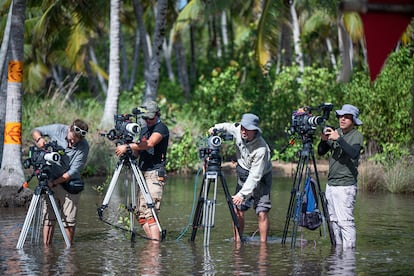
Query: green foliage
(386, 104)
(218, 98)
(183, 153)
(391, 154)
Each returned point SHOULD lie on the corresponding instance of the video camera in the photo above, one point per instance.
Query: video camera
(48, 162)
(39, 158)
(304, 123)
(211, 153)
(127, 126)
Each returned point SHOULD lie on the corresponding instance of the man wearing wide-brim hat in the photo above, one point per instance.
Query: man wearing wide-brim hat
(254, 171)
(345, 144)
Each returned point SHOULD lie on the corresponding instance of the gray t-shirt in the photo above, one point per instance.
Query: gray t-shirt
(77, 154)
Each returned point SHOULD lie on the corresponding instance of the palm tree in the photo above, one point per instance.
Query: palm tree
(152, 82)
(111, 102)
(3, 78)
(11, 172)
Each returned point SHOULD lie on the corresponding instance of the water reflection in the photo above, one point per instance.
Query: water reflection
(149, 259)
(342, 262)
(101, 250)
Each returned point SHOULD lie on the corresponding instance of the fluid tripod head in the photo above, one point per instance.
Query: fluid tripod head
(211, 153)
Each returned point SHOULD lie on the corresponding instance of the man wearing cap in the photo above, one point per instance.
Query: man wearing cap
(254, 171)
(64, 180)
(152, 150)
(345, 144)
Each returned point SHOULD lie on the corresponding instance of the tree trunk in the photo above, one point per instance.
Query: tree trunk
(345, 49)
(111, 103)
(159, 35)
(296, 38)
(139, 13)
(11, 173)
(182, 67)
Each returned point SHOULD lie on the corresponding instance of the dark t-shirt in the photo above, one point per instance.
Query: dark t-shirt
(154, 158)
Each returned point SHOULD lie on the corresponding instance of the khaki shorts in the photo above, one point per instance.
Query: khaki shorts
(155, 189)
(66, 203)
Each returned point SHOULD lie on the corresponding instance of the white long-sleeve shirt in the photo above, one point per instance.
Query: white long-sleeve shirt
(253, 156)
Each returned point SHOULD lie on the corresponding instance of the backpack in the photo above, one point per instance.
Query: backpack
(311, 216)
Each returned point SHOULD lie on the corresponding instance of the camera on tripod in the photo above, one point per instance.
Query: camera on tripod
(48, 161)
(304, 123)
(39, 158)
(127, 127)
(211, 153)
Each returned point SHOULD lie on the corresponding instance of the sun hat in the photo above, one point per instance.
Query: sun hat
(350, 109)
(250, 122)
(150, 109)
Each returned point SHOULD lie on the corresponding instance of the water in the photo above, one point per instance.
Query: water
(384, 246)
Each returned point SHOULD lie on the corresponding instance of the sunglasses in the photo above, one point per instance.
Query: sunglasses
(346, 116)
(80, 131)
(147, 118)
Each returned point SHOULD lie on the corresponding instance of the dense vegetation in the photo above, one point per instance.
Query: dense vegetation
(226, 93)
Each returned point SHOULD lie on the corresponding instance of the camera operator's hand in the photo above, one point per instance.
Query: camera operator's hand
(121, 149)
(212, 130)
(331, 133)
(237, 200)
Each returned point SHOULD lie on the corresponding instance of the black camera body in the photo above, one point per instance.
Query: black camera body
(127, 127)
(49, 162)
(211, 153)
(305, 123)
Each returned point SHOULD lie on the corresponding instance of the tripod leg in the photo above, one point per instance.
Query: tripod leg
(131, 205)
(111, 188)
(147, 196)
(294, 198)
(28, 220)
(197, 215)
(230, 204)
(59, 219)
(209, 206)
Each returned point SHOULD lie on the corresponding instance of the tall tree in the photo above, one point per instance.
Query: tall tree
(3, 79)
(11, 172)
(152, 82)
(111, 102)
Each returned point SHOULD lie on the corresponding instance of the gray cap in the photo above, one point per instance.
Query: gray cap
(350, 109)
(149, 108)
(250, 122)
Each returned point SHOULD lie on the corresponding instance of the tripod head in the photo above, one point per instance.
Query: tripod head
(211, 153)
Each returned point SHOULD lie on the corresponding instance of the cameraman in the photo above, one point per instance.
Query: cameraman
(254, 171)
(345, 144)
(72, 140)
(152, 150)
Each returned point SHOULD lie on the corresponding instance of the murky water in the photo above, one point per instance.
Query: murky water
(385, 228)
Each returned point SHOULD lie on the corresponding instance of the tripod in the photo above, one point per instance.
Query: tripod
(205, 210)
(298, 190)
(35, 210)
(132, 170)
